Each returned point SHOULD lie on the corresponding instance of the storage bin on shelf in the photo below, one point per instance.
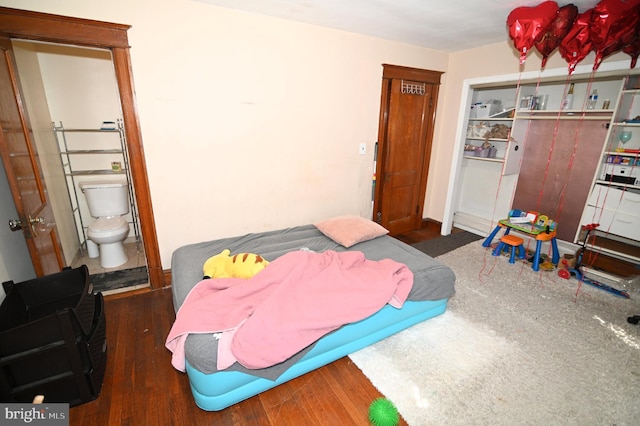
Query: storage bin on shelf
(52, 339)
(485, 152)
(485, 109)
(479, 151)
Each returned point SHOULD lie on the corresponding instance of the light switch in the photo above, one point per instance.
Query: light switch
(363, 149)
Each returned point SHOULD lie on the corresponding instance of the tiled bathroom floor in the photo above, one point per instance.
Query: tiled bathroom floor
(136, 259)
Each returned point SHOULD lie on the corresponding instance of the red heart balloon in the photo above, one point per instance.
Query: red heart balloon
(633, 48)
(613, 26)
(527, 25)
(576, 45)
(556, 31)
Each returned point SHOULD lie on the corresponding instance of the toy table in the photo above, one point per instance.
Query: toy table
(539, 233)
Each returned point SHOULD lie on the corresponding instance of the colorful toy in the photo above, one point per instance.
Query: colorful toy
(241, 265)
(382, 412)
(513, 243)
(542, 221)
(576, 271)
(530, 223)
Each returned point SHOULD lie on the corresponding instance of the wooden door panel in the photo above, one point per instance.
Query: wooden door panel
(400, 213)
(20, 161)
(403, 157)
(402, 178)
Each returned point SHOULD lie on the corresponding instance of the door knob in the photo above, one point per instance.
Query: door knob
(15, 224)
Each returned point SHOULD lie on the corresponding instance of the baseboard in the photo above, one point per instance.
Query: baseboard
(472, 223)
(433, 225)
(167, 278)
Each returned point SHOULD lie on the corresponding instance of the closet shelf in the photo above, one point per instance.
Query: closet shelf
(94, 172)
(87, 130)
(626, 124)
(93, 151)
(491, 119)
(621, 185)
(598, 115)
(475, 138)
(491, 160)
(614, 252)
(621, 153)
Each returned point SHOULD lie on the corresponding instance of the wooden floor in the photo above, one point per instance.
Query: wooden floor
(142, 388)
(428, 231)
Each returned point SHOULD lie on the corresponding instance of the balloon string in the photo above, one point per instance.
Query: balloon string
(593, 255)
(526, 141)
(553, 144)
(551, 148)
(554, 140)
(570, 166)
(576, 140)
(560, 203)
(604, 191)
(492, 223)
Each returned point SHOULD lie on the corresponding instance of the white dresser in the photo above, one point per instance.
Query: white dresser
(615, 209)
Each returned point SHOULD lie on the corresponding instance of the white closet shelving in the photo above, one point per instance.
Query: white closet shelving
(486, 185)
(614, 201)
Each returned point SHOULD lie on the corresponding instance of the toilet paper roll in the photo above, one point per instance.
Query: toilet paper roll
(92, 249)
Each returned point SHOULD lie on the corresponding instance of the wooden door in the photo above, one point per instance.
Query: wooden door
(407, 116)
(20, 160)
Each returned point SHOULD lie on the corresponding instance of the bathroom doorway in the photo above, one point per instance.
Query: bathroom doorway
(74, 89)
(16, 24)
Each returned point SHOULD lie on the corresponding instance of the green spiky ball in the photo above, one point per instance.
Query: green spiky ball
(382, 412)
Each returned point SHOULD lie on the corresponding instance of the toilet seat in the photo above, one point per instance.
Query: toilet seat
(107, 224)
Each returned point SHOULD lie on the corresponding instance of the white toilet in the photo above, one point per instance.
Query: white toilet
(108, 201)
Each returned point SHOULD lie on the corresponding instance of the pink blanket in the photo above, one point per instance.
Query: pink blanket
(298, 298)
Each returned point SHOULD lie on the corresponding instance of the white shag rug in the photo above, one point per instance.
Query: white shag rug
(515, 347)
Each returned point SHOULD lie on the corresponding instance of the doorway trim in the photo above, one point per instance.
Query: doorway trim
(15, 23)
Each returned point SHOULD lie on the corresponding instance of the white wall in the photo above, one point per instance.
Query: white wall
(80, 85)
(253, 123)
(249, 123)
